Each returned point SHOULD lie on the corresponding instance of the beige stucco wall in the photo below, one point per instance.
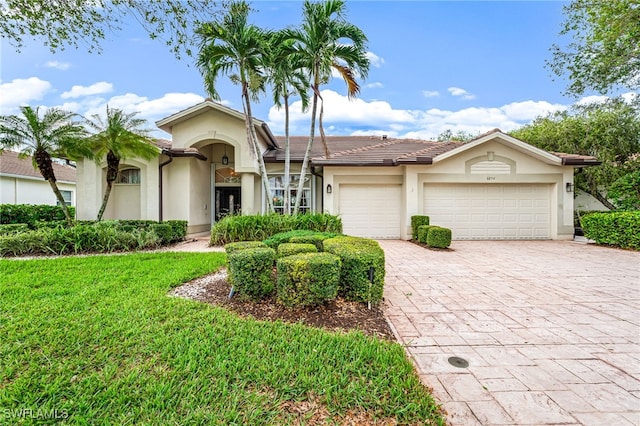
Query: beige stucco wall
(124, 203)
(25, 190)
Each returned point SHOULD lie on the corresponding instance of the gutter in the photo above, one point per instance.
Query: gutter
(171, 154)
(580, 162)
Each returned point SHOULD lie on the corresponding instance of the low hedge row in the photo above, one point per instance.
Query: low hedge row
(261, 227)
(89, 237)
(31, 214)
(613, 228)
(305, 277)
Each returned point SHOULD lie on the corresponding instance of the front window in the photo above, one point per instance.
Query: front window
(66, 195)
(276, 182)
(129, 176)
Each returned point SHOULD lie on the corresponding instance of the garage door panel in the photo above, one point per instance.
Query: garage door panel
(371, 211)
(494, 211)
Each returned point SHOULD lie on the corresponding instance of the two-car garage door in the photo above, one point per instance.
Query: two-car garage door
(490, 211)
(471, 211)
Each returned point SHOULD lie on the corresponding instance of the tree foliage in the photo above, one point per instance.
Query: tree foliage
(55, 134)
(609, 131)
(64, 23)
(605, 51)
(118, 137)
(625, 192)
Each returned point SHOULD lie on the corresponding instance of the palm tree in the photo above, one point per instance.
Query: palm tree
(287, 78)
(119, 137)
(328, 42)
(233, 46)
(54, 135)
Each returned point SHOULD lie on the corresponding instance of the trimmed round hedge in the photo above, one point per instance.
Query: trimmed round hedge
(308, 279)
(439, 237)
(359, 256)
(251, 271)
(289, 249)
(416, 222)
(242, 245)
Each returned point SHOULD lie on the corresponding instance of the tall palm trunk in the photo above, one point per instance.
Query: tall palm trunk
(287, 156)
(307, 154)
(113, 163)
(45, 165)
(254, 139)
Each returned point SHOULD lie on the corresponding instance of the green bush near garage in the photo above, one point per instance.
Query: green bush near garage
(416, 222)
(423, 232)
(251, 272)
(620, 229)
(316, 239)
(359, 256)
(307, 279)
(30, 214)
(438, 237)
(289, 249)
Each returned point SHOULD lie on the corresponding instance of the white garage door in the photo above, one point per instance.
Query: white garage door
(371, 211)
(490, 211)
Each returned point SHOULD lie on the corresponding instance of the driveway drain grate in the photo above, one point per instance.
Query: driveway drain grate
(458, 362)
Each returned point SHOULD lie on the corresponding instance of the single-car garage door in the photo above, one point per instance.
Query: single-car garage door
(371, 211)
(490, 211)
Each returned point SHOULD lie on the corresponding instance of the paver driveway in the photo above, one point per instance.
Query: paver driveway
(550, 329)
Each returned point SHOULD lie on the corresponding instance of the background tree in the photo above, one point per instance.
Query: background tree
(459, 136)
(63, 23)
(625, 192)
(54, 135)
(605, 51)
(233, 46)
(118, 137)
(287, 79)
(326, 42)
(610, 132)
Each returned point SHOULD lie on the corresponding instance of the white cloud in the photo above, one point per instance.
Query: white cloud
(375, 85)
(20, 92)
(593, 99)
(457, 91)
(360, 117)
(430, 93)
(95, 89)
(375, 60)
(58, 65)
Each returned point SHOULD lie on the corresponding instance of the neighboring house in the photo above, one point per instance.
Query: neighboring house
(20, 183)
(493, 187)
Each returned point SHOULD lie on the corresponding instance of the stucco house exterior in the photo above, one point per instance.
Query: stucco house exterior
(20, 183)
(493, 187)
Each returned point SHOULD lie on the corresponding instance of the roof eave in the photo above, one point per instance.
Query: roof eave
(580, 162)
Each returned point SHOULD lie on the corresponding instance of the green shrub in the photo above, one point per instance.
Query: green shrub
(358, 256)
(284, 237)
(316, 239)
(439, 237)
(179, 228)
(32, 213)
(13, 228)
(251, 272)
(423, 232)
(261, 227)
(416, 222)
(614, 228)
(164, 232)
(289, 249)
(242, 245)
(308, 278)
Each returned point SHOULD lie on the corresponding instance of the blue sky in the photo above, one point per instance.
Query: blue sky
(456, 65)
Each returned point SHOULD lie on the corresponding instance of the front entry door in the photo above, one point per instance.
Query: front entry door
(227, 201)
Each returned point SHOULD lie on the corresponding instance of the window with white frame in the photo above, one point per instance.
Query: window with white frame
(67, 196)
(129, 176)
(276, 183)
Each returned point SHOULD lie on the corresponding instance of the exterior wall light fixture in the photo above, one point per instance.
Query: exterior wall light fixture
(225, 159)
(569, 187)
(329, 189)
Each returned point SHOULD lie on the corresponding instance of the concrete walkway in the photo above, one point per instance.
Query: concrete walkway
(550, 329)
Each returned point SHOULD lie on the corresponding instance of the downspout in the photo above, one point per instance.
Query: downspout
(168, 153)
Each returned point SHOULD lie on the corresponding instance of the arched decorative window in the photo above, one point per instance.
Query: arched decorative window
(130, 176)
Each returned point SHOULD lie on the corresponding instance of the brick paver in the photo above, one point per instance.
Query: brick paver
(551, 329)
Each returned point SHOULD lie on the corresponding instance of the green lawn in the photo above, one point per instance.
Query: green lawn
(97, 340)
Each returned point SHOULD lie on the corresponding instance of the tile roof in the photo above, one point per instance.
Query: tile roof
(383, 151)
(10, 164)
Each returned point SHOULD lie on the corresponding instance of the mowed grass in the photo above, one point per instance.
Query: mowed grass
(98, 341)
